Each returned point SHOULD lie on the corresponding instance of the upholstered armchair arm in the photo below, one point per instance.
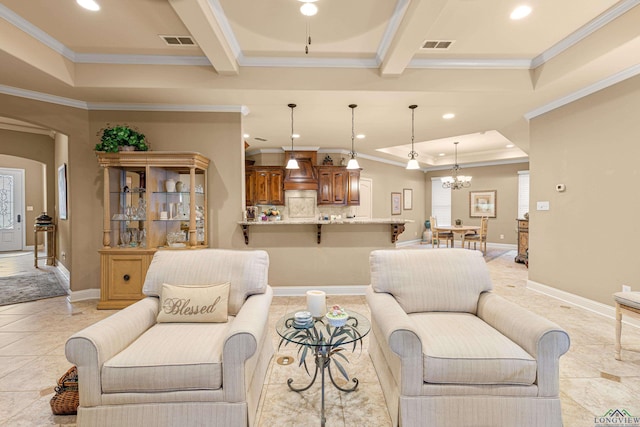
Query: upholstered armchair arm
(243, 338)
(541, 338)
(400, 335)
(91, 347)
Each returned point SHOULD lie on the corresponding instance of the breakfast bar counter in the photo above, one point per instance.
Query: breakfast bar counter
(396, 225)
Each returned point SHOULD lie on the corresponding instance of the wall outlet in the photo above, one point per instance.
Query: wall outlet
(502, 236)
(626, 288)
(63, 255)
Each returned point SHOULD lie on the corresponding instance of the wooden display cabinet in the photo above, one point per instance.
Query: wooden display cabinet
(135, 199)
(523, 241)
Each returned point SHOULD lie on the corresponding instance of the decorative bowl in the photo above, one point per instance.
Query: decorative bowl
(336, 316)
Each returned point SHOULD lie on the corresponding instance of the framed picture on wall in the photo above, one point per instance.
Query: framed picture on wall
(482, 203)
(396, 207)
(407, 199)
(62, 191)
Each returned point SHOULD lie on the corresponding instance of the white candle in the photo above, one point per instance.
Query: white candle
(317, 303)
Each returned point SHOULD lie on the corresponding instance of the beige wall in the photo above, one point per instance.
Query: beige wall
(586, 243)
(503, 179)
(33, 191)
(63, 244)
(342, 258)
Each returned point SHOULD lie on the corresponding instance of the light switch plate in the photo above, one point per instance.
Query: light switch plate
(29, 208)
(542, 206)
(626, 288)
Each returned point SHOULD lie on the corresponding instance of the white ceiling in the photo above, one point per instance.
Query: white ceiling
(250, 57)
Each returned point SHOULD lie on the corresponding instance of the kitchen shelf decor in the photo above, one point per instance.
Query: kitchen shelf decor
(142, 217)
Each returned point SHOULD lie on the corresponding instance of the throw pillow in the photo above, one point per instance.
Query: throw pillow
(194, 303)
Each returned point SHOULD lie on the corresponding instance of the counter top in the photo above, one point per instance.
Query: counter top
(397, 224)
(327, 222)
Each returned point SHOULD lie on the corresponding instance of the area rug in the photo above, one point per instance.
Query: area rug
(29, 287)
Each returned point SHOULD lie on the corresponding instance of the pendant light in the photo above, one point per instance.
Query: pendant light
(353, 163)
(292, 163)
(413, 163)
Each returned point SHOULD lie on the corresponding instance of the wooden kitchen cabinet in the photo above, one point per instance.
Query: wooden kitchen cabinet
(338, 186)
(268, 189)
(250, 186)
(134, 195)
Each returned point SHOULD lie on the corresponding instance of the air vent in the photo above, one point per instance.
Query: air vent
(178, 40)
(437, 44)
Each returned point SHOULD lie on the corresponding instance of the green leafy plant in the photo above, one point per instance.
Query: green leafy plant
(116, 136)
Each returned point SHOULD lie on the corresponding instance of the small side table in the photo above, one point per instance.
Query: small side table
(323, 342)
(50, 230)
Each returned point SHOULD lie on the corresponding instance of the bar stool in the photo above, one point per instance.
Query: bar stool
(628, 303)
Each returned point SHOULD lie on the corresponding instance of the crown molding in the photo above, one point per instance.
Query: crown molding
(35, 32)
(585, 91)
(391, 30)
(257, 61)
(471, 63)
(116, 59)
(480, 164)
(169, 107)
(27, 129)
(583, 32)
(44, 97)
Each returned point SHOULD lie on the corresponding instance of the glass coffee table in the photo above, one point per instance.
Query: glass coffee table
(325, 345)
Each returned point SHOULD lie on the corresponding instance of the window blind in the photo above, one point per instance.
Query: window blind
(440, 202)
(523, 193)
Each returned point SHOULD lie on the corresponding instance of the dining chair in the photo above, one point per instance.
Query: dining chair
(480, 237)
(438, 236)
(629, 304)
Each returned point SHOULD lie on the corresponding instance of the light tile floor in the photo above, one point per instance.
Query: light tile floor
(32, 337)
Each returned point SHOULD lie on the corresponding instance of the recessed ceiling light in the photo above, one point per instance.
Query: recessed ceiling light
(307, 1)
(89, 4)
(510, 145)
(308, 9)
(520, 12)
(448, 116)
(441, 154)
(295, 135)
(361, 136)
(246, 135)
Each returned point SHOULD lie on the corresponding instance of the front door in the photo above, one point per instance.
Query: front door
(11, 215)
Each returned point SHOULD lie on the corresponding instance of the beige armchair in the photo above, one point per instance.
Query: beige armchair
(449, 352)
(136, 372)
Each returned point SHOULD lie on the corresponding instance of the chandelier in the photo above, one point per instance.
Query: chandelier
(455, 181)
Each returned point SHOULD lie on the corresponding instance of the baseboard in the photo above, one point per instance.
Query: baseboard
(64, 272)
(300, 291)
(408, 243)
(83, 295)
(578, 301)
(506, 246)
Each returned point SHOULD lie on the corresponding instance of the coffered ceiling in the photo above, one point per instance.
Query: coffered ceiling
(250, 56)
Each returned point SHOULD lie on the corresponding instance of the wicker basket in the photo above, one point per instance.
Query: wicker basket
(66, 399)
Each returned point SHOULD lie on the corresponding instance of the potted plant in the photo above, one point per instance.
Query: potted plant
(121, 138)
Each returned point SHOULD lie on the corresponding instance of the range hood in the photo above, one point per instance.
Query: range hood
(304, 178)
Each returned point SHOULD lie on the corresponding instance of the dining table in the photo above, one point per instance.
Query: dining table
(458, 229)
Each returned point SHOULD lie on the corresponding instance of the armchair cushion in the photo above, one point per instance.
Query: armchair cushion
(169, 357)
(247, 272)
(194, 303)
(460, 348)
(447, 280)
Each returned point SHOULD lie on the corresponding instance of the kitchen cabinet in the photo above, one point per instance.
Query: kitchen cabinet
(305, 177)
(142, 214)
(250, 186)
(338, 186)
(268, 188)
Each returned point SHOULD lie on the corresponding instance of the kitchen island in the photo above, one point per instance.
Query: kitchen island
(396, 225)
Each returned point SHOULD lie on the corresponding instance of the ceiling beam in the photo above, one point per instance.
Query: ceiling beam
(200, 20)
(418, 19)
